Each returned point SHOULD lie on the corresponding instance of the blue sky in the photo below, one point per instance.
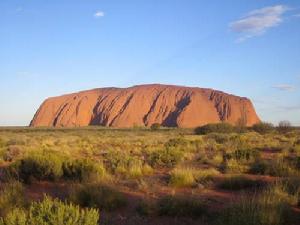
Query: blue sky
(245, 47)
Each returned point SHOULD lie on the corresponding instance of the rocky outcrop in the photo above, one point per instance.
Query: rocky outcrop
(144, 105)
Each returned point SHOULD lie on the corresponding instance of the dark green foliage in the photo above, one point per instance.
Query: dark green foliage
(98, 196)
(11, 196)
(179, 207)
(52, 212)
(263, 127)
(168, 157)
(259, 167)
(155, 126)
(277, 167)
(82, 170)
(239, 183)
(51, 166)
(40, 166)
(215, 128)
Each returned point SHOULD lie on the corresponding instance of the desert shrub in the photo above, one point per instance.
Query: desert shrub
(284, 126)
(83, 170)
(39, 166)
(97, 196)
(233, 166)
(220, 138)
(181, 207)
(182, 177)
(176, 142)
(239, 182)
(263, 127)
(52, 212)
(258, 167)
(11, 195)
(168, 157)
(15, 217)
(215, 128)
(127, 166)
(155, 126)
(279, 167)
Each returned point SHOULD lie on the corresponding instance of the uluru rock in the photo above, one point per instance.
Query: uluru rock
(143, 105)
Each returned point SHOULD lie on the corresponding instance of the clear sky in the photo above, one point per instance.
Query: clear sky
(245, 47)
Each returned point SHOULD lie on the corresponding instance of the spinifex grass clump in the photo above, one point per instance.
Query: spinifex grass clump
(183, 177)
(271, 207)
(189, 177)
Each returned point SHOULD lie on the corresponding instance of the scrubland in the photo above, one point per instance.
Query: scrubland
(158, 176)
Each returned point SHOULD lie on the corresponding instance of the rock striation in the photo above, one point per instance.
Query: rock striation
(143, 105)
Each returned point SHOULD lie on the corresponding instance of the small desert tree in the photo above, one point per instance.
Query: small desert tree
(284, 126)
(263, 127)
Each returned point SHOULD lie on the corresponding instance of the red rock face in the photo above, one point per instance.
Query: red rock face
(172, 106)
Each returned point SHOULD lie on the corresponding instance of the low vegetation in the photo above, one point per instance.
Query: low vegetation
(51, 212)
(151, 176)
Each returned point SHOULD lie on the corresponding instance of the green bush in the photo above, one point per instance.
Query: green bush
(11, 195)
(168, 157)
(40, 166)
(52, 212)
(181, 207)
(83, 170)
(278, 167)
(182, 177)
(263, 127)
(51, 166)
(176, 142)
(215, 128)
(98, 196)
